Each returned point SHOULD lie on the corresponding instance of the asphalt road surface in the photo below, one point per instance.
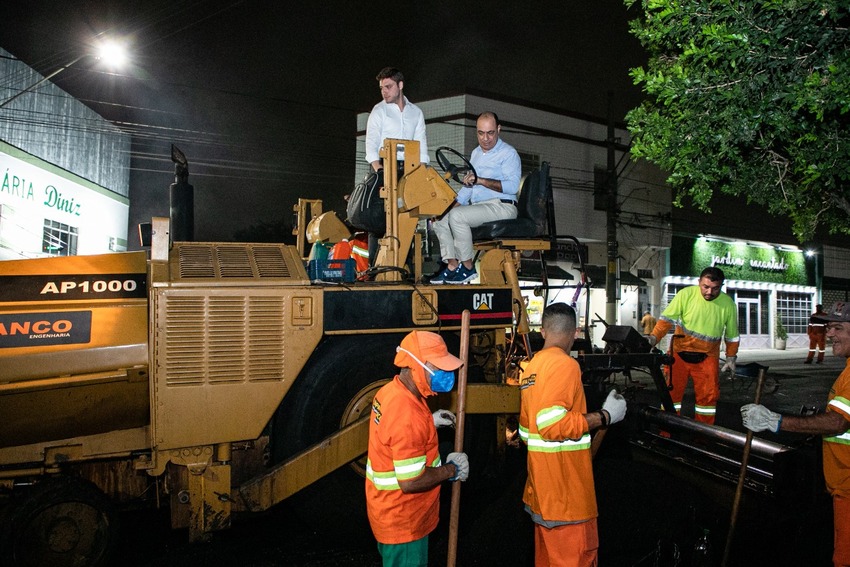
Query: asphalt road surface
(651, 509)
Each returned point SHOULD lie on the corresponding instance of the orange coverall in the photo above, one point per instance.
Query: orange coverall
(559, 492)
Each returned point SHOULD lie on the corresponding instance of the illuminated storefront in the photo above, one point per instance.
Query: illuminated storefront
(766, 281)
(564, 283)
(47, 211)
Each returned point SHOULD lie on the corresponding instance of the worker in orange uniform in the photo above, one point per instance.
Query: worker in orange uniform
(817, 335)
(554, 424)
(833, 425)
(403, 469)
(647, 322)
(703, 316)
(357, 249)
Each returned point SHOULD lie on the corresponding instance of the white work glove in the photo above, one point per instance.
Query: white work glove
(615, 405)
(651, 339)
(758, 418)
(730, 364)
(444, 418)
(461, 463)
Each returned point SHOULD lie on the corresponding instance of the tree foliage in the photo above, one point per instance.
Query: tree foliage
(750, 98)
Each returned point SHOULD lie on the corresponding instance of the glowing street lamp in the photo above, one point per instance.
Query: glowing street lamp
(110, 52)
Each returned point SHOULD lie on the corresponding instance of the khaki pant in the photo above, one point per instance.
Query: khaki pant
(454, 230)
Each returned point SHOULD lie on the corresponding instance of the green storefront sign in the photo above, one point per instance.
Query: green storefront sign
(738, 260)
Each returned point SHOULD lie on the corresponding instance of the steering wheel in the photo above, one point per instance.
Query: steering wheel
(455, 171)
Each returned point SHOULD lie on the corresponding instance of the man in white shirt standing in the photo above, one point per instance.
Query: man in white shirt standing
(394, 117)
(397, 118)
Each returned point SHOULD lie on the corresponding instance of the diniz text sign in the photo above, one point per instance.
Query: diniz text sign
(728, 260)
(50, 196)
(39, 329)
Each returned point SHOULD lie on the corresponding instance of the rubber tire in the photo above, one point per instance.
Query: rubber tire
(48, 526)
(339, 368)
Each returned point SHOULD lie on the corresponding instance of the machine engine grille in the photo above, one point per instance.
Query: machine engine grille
(223, 338)
(203, 260)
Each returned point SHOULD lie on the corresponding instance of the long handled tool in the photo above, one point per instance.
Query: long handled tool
(741, 476)
(461, 419)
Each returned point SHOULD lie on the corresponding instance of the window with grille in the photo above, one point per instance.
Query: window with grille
(672, 290)
(794, 308)
(59, 239)
(529, 162)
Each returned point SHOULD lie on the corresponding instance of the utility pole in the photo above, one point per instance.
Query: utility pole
(612, 281)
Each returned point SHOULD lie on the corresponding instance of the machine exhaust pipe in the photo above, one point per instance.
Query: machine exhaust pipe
(181, 198)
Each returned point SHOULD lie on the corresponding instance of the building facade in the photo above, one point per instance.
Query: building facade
(65, 171)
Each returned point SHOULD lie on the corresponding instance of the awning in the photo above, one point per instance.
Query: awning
(598, 274)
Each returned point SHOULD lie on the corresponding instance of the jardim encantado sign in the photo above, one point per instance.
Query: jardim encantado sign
(738, 260)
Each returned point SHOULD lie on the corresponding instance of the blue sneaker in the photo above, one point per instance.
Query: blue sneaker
(462, 275)
(445, 275)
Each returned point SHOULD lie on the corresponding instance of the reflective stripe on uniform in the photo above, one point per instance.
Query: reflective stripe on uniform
(381, 480)
(841, 404)
(409, 468)
(536, 443)
(685, 331)
(705, 410)
(548, 416)
(404, 470)
(843, 439)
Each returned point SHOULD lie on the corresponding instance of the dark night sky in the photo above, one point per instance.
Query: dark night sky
(262, 96)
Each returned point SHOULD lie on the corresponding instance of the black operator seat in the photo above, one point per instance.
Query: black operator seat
(531, 207)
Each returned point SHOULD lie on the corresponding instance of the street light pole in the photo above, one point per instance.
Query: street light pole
(612, 280)
(818, 283)
(110, 51)
(814, 253)
(45, 79)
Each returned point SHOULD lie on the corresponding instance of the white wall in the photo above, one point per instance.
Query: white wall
(32, 190)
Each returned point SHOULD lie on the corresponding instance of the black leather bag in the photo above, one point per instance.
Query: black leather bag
(365, 207)
(693, 357)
